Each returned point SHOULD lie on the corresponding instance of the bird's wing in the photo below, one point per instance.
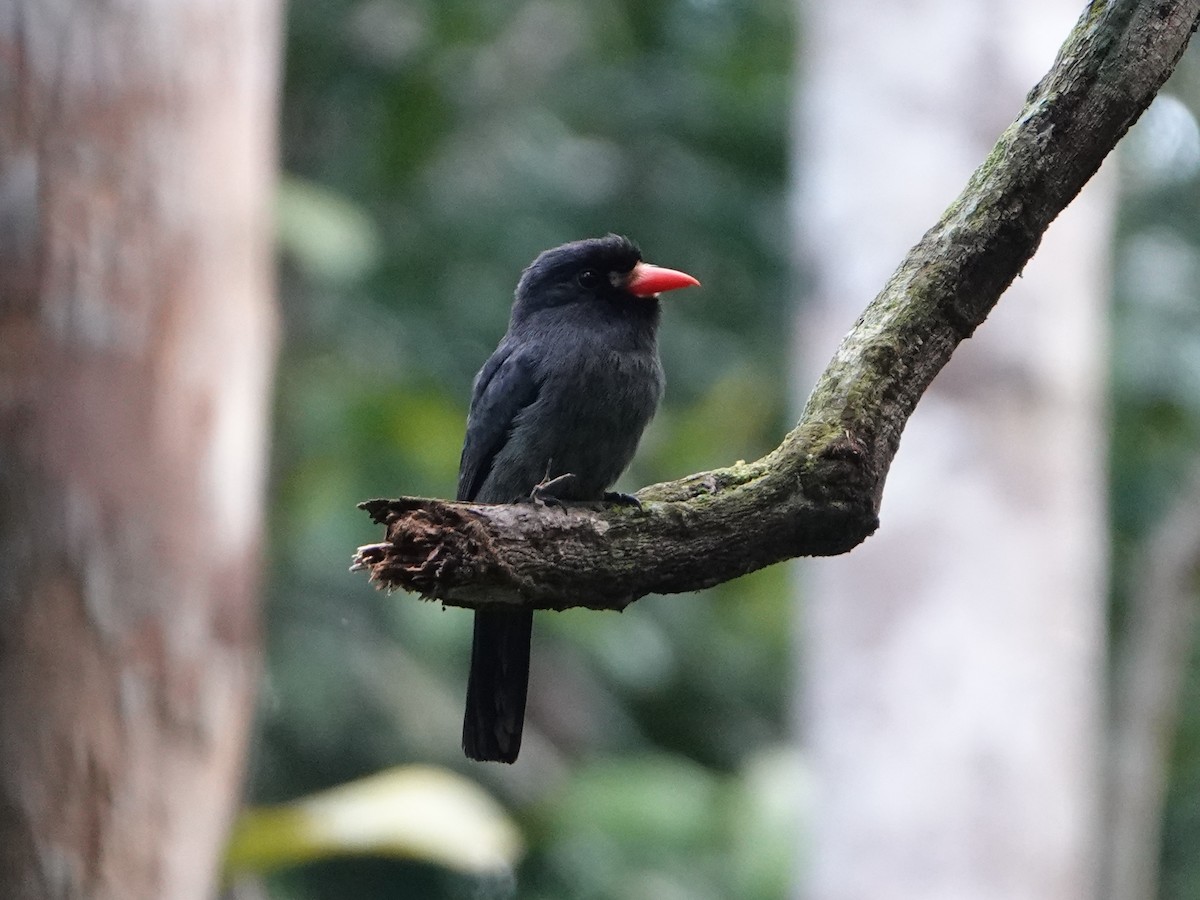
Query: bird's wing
(504, 386)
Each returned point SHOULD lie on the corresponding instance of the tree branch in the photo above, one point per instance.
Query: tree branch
(818, 493)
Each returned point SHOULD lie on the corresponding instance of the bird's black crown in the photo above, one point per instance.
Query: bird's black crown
(588, 265)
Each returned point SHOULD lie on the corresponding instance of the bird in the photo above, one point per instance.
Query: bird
(555, 417)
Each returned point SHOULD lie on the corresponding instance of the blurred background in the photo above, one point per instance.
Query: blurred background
(429, 152)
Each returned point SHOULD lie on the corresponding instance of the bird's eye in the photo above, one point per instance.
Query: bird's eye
(589, 279)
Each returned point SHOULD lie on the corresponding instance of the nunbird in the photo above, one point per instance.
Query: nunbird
(556, 414)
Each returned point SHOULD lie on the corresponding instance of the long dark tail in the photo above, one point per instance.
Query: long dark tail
(497, 685)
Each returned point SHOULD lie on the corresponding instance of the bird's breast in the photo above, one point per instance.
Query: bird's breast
(593, 412)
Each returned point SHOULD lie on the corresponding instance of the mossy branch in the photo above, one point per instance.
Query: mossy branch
(818, 493)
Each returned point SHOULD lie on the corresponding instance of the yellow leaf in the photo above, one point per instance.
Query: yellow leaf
(415, 812)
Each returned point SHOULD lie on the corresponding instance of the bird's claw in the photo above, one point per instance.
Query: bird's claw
(546, 492)
(622, 499)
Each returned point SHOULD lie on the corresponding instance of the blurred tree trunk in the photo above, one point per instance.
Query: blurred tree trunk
(952, 666)
(1151, 666)
(136, 338)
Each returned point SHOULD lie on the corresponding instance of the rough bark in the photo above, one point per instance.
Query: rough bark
(818, 492)
(136, 335)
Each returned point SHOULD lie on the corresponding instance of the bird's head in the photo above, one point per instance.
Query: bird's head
(606, 271)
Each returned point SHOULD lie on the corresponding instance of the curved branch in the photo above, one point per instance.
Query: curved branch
(818, 492)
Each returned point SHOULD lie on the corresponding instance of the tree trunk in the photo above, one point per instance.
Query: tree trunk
(952, 665)
(136, 338)
(1152, 656)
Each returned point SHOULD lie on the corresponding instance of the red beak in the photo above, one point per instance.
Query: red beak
(649, 281)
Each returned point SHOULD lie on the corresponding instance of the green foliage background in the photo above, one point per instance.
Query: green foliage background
(430, 151)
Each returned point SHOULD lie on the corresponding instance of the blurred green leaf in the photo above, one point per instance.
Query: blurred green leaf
(324, 233)
(770, 801)
(651, 800)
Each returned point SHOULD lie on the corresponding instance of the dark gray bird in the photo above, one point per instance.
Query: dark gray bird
(556, 414)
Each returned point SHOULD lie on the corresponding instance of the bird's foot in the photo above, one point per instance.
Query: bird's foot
(622, 499)
(548, 492)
